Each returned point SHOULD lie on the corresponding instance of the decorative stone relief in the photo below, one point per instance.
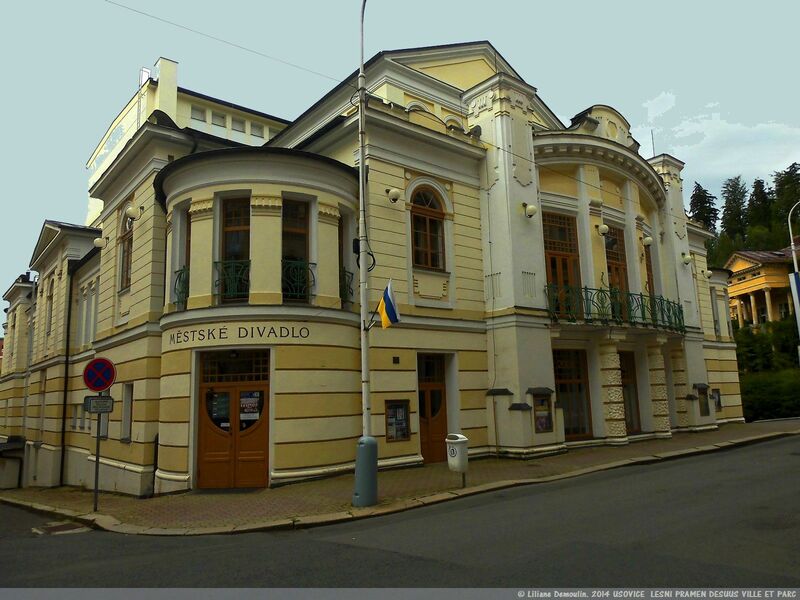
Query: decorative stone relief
(529, 284)
(329, 214)
(431, 286)
(481, 103)
(266, 203)
(202, 207)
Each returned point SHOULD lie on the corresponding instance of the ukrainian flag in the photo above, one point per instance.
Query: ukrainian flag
(387, 307)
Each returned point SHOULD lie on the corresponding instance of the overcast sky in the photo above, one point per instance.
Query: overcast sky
(718, 82)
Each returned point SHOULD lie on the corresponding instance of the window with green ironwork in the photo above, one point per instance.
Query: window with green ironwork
(233, 271)
(236, 229)
(427, 230)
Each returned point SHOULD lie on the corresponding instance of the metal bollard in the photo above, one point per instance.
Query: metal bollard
(366, 478)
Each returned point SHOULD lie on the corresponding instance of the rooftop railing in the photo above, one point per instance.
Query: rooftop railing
(604, 306)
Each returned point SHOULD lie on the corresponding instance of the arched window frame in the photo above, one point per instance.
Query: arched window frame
(125, 250)
(49, 305)
(433, 253)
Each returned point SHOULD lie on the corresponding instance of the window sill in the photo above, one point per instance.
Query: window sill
(125, 440)
(124, 291)
(432, 271)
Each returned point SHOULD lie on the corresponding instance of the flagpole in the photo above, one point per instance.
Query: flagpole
(365, 491)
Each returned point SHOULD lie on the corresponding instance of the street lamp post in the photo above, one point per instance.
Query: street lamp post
(365, 492)
(794, 278)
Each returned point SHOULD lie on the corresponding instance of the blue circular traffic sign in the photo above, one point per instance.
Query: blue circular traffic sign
(99, 374)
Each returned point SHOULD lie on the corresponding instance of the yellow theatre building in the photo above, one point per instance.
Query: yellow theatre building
(552, 291)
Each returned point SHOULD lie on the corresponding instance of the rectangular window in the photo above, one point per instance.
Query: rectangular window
(648, 258)
(75, 410)
(702, 394)
(717, 396)
(82, 410)
(127, 412)
(715, 312)
(398, 421)
(198, 113)
(296, 277)
(257, 130)
(218, 119)
(234, 269)
(237, 124)
(104, 426)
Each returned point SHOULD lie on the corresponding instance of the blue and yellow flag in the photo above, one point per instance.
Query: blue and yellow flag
(387, 308)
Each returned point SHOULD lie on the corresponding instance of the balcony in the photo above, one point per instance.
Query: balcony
(607, 306)
(233, 280)
(345, 285)
(181, 287)
(297, 280)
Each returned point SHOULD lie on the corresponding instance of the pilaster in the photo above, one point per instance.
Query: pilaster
(327, 272)
(613, 400)
(201, 279)
(658, 391)
(265, 250)
(679, 383)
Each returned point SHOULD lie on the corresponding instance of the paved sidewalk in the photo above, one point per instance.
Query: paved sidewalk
(328, 500)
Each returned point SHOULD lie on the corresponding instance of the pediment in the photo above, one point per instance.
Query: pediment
(739, 263)
(78, 236)
(46, 236)
(460, 65)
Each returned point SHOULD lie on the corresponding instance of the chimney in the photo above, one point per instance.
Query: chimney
(166, 74)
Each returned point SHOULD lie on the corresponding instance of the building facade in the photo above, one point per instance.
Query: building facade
(759, 285)
(553, 292)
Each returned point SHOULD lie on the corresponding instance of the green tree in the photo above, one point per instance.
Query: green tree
(734, 208)
(703, 208)
(759, 207)
(753, 350)
(721, 248)
(787, 193)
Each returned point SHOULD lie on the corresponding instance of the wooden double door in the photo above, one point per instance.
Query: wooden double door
(432, 407)
(630, 394)
(572, 392)
(233, 436)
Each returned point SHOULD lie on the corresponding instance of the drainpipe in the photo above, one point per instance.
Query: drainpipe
(66, 376)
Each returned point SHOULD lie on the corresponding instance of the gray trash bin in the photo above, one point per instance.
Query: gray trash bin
(457, 452)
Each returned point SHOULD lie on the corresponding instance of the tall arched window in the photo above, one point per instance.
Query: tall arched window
(427, 230)
(50, 288)
(125, 252)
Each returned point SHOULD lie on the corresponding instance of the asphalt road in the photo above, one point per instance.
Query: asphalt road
(727, 519)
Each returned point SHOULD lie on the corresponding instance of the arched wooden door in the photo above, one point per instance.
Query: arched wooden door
(432, 407)
(233, 422)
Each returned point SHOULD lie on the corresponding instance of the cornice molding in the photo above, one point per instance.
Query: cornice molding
(570, 147)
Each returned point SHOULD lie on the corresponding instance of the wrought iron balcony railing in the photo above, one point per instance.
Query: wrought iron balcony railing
(297, 280)
(345, 285)
(181, 287)
(233, 280)
(604, 306)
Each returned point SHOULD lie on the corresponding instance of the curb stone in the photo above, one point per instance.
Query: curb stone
(112, 524)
